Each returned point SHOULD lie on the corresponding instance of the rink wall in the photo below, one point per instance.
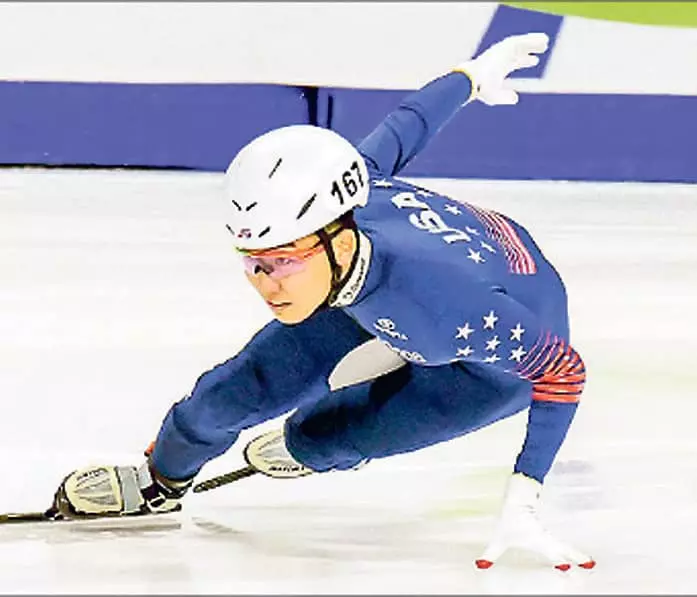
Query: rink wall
(118, 85)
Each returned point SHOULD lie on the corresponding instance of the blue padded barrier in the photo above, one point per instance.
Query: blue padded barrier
(199, 126)
(202, 126)
(545, 136)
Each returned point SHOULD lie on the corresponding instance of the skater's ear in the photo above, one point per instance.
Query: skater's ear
(344, 244)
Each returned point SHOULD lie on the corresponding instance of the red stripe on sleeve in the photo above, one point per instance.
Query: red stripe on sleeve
(556, 370)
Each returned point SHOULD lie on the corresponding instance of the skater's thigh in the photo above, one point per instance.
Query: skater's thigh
(405, 410)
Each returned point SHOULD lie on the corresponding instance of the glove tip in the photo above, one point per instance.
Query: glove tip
(483, 564)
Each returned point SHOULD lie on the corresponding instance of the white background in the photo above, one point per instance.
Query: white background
(370, 44)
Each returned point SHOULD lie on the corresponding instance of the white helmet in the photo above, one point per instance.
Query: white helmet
(289, 183)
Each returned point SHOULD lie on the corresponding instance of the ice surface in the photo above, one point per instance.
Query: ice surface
(119, 288)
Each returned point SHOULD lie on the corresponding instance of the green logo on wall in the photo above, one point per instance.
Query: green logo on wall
(673, 14)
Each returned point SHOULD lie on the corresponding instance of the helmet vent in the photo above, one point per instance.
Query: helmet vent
(304, 208)
(264, 231)
(278, 163)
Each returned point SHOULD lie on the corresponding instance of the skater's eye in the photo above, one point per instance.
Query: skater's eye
(281, 261)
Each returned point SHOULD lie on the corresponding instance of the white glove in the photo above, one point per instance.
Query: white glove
(519, 527)
(99, 491)
(489, 70)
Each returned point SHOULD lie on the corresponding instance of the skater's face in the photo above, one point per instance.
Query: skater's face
(295, 279)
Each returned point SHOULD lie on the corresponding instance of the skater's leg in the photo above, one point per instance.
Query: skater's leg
(410, 408)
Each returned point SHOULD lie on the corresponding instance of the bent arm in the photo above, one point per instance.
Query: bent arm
(511, 338)
(417, 119)
(280, 368)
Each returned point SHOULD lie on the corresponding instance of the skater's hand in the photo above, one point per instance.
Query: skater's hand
(519, 527)
(114, 491)
(489, 70)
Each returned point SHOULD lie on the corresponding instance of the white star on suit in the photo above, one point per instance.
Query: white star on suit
(493, 343)
(487, 246)
(517, 333)
(465, 352)
(492, 359)
(424, 193)
(472, 230)
(517, 354)
(385, 184)
(452, 209)
(490, 320)
(475, 256)
(464, 332)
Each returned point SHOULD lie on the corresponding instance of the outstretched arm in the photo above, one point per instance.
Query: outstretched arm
(408, 129)
(506, 335)
(419, 117)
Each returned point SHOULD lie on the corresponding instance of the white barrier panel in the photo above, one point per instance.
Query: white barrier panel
(383, 45)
